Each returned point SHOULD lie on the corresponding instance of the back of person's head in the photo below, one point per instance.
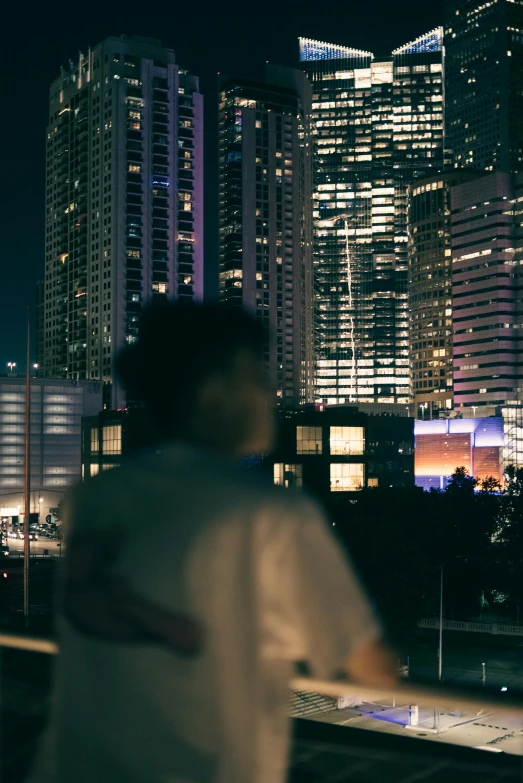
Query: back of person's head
(180, 347)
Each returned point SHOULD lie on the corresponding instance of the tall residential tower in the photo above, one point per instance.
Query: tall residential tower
(265, 223)
(124, 205)
(378, 126)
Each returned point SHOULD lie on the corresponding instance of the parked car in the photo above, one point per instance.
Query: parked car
(33, 535)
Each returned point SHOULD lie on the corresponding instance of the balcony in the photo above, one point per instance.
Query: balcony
(325, 750)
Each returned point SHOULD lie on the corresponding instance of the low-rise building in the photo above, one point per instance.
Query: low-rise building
(342, 450)
(57, 408)
(442, 445)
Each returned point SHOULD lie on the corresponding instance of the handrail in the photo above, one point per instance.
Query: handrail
(29, 643)
(416, 693)
(410, 693)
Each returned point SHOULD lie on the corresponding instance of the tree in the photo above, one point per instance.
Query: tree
(461, 482)
(508, 535)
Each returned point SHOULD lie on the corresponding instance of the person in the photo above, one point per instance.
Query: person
(192, 589)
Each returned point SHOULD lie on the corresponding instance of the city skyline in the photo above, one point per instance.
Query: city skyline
(204, 46)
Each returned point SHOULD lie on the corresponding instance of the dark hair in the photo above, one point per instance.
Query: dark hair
(179, 346)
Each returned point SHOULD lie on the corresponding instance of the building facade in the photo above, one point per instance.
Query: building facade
(333, 451)
(485, 291)
(430, 292)
(484, 83)
(57, 408)
(265, 223)
(124, 204)
(377, 126)
(444, 445)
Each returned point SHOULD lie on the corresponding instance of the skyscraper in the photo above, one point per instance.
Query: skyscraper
(377, 125)
(430, 291)
(265, 223)
(124, 206)
(486, 285)
(484, 83)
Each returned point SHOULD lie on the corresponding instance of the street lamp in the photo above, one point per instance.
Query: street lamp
(11, 365)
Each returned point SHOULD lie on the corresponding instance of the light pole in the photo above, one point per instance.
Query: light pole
(11, 366)
(27, 477)
(440, 656)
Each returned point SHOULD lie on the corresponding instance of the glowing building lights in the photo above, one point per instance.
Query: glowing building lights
(376, 128)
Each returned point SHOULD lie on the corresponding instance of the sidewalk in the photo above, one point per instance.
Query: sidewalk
(457, 728)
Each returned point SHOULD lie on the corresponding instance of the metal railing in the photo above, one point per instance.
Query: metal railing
(461, 697)
(473, 627)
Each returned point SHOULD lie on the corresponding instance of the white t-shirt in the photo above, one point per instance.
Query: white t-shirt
(258, 569)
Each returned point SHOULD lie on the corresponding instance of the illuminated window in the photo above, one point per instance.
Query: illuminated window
(134, 168)
(288, 475)
(160, 288)
(347, 440)
(95, 443)
(94, 470)
(346, 477)
(112, 439)
(308, 440)
(372, 482)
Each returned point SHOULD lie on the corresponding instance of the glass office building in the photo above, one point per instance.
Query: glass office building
(377, 126)
(484, 83)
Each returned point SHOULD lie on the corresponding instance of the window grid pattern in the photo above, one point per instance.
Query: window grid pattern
(112, 439)
(95, 441)
(347, 440)
(288, 475)
(309, 440)
(346, 477)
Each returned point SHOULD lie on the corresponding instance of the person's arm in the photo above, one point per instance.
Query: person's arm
(374, 665)
(315, 610)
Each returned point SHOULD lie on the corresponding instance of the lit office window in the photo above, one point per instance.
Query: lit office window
(346, 477)
(95, 442)
(112, 439)
(347, 440)
(94, 470)
(288, 475)
(308, 440)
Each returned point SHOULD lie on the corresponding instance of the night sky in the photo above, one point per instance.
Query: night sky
(230, 37)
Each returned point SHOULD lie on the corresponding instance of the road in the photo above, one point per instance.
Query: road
(463, 655)
(41, 547)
